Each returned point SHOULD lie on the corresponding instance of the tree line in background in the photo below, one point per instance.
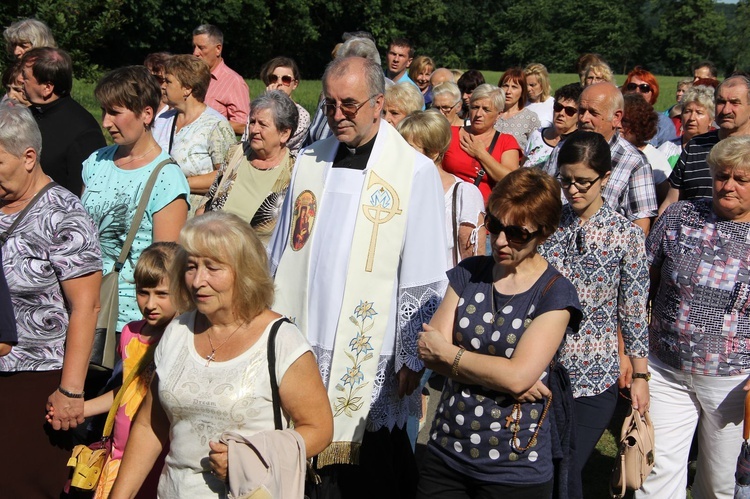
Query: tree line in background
(665, 36)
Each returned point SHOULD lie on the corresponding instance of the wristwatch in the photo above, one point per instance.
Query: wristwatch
(646, 376)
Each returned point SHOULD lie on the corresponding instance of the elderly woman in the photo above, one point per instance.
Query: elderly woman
(604, 256)
(420, 71)
(27, 34)
(52, 264)
(446, 98)
(430, 133)
(115, 176)
(644, 83)
(282, 73)
(199, 135)
(543, 141)
(699, 354)
(538, 90)
(254, 180)
(597, 72)
(220, 276)
(639, 121)
(515, 119)
(467, 82)
(478, 153)
(494, 335)
(401, 99)
(698, 109)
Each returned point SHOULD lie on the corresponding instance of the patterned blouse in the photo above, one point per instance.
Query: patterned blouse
(605, 259)
(519, 126)
(699, 320)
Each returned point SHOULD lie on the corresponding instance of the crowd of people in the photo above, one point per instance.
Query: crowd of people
(505, 258)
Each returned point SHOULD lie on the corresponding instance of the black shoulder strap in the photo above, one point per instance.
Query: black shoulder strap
(272, 373)
(5, 235)
(456, 245)
(494, 141)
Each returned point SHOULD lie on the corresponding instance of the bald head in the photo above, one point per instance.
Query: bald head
(600, 109)
(441, 75)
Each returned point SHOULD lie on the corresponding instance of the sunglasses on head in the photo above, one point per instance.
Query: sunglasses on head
(513, 233)
(286, 79)
(643, 88)
(569, 110)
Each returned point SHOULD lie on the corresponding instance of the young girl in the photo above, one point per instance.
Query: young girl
(138, 341)
(604, 256)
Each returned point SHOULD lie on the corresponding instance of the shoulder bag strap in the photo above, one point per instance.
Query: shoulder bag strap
(145, 196)
(481, 173)
(139, 368)
(456, 248)
(5, 235)
(272, 373)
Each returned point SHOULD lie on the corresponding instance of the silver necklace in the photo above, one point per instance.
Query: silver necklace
(212, 355)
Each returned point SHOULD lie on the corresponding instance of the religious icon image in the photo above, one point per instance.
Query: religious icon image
(303, 218)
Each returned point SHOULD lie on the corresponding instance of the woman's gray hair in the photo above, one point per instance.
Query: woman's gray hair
(703, 95)
(18, 130)
(732, 152)
(283, 109)
(496, 95)
(359, 47)
(405, 96)
(447, 88)
(30, 31)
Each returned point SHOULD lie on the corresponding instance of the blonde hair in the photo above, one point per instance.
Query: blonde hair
(428, 129)
(405, 96)
(538, 70)
(732, 152)
(418, 64)
(602, 69)
(225, 238)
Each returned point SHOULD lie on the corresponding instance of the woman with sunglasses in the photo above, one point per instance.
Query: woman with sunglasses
(494, 335)
(604, 256)
(282, 73)
(644, 83)
(446, 98)
(564, 122)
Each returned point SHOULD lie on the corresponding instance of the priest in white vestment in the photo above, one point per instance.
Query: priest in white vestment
(358, 255)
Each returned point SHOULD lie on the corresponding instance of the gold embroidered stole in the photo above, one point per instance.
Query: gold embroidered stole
(371, 275)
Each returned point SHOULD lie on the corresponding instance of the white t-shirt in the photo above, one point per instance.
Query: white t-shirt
(469, 204)
(659, 163)
(544, 110)
(203, 401)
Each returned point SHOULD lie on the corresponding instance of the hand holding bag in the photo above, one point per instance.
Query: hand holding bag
(105, 340)
(635, 460)
(88, 461)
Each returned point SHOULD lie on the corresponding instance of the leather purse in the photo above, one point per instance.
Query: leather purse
(105, 339)
(635, 459)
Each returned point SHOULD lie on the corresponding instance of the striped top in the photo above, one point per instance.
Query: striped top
(228, 93)
(691, 174)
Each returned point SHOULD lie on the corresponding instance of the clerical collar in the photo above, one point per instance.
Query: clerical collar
(47, 107)
(355, 159)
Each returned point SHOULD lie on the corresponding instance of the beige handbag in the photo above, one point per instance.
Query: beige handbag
(635, 460)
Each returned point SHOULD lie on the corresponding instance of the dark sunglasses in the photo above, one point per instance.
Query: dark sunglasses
(286, 79)
(348, 109)
(569, 110)
(643, 88)
(513, 233)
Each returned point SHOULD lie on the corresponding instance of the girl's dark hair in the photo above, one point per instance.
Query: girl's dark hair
(588, 148)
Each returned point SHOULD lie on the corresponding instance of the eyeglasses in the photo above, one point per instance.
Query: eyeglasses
(582, 185)
(513, 233)
(447, 109)
(286, 79)
(643, 88)
(348, 109)
(569, 110)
